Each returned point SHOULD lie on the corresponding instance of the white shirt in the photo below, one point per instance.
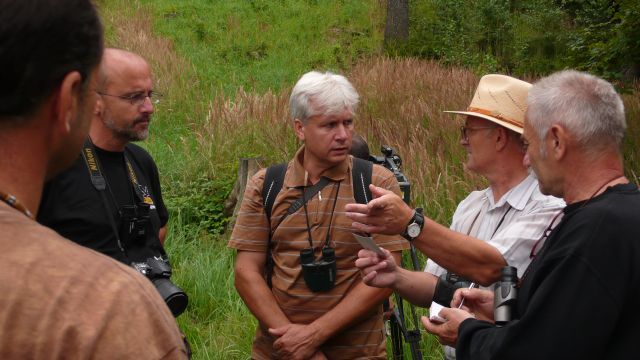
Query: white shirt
(512, 225)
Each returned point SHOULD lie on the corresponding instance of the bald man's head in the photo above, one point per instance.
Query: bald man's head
(114, 62)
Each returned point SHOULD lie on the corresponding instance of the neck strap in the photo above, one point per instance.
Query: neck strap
(15, 203)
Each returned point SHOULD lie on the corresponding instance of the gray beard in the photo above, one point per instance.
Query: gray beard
(126, 134)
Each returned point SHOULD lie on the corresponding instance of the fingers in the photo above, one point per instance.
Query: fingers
(378, 191)
(356, 208)
(277, 332)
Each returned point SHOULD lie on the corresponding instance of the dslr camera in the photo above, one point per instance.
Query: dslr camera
(158, 270)
(392, 161)
(136, 227)
(319, 275)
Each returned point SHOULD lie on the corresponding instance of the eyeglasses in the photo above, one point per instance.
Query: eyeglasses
(137, 99)
(466, 130)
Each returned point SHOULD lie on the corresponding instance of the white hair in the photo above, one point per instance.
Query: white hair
(317, 93)
(587, 106)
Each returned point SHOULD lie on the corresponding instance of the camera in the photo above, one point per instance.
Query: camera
(135, 223)
(505, 296)
(392, 161)
(446, 286)
(319, 275)
(158, 270)
(135, 230)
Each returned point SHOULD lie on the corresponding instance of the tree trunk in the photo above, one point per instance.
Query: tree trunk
(397, 29)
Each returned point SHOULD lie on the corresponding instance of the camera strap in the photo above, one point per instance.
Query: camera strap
(100, 184)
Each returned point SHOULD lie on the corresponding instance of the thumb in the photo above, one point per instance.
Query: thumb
(377, 192)
(277, 332)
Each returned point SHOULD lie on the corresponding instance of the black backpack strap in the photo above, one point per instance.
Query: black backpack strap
(360, 180)
(273, 181)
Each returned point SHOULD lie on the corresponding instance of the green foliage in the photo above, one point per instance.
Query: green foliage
(200, 203)
(605, 40)
(265, 44)
(528, 37)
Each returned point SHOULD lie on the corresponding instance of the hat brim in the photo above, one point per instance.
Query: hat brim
(509, 126)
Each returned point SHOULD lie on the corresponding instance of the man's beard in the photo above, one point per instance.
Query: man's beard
(128, 133)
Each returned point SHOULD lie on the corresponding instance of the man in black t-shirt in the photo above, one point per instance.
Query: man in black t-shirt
(578, 298)
(110, 199)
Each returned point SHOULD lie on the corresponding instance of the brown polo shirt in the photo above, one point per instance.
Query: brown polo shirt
(364, 339)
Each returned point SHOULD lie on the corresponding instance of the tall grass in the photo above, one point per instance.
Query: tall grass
(222, 103)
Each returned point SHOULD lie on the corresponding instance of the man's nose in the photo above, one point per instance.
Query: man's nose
(147, 105)
(341, 132)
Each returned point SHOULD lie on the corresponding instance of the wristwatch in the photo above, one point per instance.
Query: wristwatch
(415, 225)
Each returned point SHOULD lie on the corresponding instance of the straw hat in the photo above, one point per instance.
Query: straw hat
(501, 99)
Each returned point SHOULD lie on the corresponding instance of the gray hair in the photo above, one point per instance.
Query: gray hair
(587, 106)
(317, 93)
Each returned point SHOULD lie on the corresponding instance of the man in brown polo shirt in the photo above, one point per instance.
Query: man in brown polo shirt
(344, 322)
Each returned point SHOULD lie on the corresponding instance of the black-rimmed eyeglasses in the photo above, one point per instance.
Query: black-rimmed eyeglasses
(137, 99)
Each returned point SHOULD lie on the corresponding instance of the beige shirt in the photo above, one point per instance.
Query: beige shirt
(59, 300)
(364, 339)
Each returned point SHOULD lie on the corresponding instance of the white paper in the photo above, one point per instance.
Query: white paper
(434, 312)
(368, 243)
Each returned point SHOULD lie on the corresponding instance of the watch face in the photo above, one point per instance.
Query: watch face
(413, 230)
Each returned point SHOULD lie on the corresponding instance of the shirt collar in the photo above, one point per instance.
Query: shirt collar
(517, 197)
(297, 171)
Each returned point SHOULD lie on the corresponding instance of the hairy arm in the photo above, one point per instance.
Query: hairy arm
(464, 255)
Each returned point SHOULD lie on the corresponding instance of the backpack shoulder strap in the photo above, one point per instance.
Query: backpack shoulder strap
(273, 181)
(360, 180)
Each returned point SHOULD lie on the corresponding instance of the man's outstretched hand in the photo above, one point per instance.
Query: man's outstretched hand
(386, 214)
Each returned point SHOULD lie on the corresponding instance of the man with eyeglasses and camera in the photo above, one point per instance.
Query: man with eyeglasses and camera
(60, 300)
(295, 248)
(491, 228)
(110, 199)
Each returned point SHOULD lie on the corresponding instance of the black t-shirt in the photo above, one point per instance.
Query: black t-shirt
(579, 298)
(73, 207)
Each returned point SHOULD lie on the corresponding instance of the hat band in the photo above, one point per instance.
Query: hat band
(497, 116)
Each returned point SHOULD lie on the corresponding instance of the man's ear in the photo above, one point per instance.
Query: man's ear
(298, 127)
(98, 108)
(501, 138)
(556, 141)
(67, 103)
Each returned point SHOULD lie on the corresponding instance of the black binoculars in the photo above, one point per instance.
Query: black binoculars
(319, 275)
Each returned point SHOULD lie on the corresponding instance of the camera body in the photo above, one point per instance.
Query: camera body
(505, 296)
(158, 270)
(136, 228)
(392, 161)
(319, 275)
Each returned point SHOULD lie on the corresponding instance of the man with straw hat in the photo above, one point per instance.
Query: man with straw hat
(578, 298)
(491, 228)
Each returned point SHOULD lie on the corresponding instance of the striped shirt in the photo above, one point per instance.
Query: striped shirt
(364, 339)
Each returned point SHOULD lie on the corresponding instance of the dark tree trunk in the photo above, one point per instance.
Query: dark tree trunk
(397, 28)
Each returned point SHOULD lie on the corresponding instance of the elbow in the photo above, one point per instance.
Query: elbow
(489, 274)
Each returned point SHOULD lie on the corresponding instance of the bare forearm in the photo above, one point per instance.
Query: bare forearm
(258, 297)
(415, 287)
(162, 233)
(353, 308)
(459, 253)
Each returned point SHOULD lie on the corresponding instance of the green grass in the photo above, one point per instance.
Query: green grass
(226, 68)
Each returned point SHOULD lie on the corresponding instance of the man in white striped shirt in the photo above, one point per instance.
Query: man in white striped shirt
(498, 226)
